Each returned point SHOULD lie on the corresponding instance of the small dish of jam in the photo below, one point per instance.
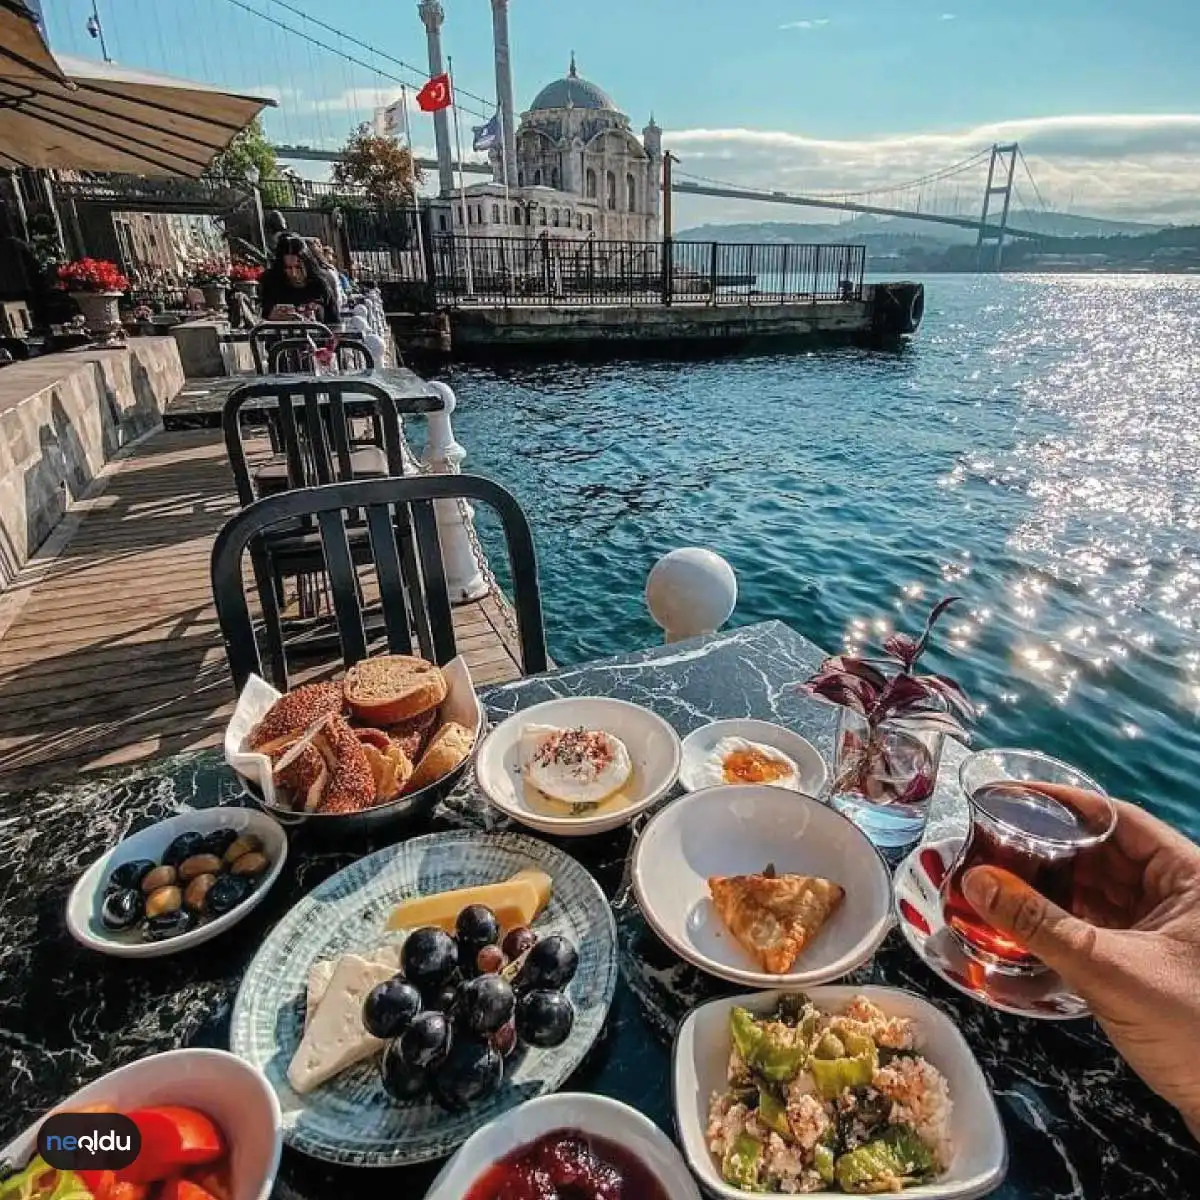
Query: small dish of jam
(567, 1164)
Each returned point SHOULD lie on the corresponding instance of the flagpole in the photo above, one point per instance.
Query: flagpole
(462, 187)
(504, 160)
(416, 200)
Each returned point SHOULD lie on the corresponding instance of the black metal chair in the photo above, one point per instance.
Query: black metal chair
(351, 354)
(266, 333)
(414, 597)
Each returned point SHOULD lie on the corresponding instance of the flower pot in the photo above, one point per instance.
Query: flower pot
(248, 287)
(884, 777)
(214, 296)
(101, 314)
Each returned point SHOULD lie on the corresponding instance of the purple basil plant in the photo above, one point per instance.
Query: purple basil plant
(893, 701)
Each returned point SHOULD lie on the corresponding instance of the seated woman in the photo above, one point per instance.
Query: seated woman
(294, 285)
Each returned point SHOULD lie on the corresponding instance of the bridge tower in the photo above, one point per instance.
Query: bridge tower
(989, 246)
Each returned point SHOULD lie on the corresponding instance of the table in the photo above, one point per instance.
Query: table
(201, 402)
(1079, 1122)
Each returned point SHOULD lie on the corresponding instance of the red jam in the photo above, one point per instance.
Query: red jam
(568, 1165)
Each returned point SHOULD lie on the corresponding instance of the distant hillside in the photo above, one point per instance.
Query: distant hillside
(883, 234)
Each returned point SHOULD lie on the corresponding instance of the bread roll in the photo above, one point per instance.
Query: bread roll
(293, 714)
(451, 745)
(393, 688)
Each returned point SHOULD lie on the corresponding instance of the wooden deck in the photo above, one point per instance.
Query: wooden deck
(109, 647)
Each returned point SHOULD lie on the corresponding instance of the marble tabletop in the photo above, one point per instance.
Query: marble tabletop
(1079, 1123)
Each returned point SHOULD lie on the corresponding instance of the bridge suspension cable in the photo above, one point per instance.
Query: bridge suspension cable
(312, 40)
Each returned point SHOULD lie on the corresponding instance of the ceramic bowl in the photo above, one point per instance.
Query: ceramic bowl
(701, 1058)
(738, 831)
(653, 745)
(698, 746)
(216, 1082)
(83, 905)
(596, 1115)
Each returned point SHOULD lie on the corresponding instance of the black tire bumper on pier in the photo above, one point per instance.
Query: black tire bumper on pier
(896, 309)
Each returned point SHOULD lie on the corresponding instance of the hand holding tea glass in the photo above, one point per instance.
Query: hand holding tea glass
(1126, 938)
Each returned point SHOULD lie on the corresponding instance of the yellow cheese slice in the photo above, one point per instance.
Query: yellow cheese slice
(515, 902)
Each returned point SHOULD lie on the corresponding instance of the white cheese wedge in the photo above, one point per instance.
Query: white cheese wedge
(335, 1038)
(321, 972)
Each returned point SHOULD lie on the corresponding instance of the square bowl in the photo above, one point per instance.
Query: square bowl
(700, 1061)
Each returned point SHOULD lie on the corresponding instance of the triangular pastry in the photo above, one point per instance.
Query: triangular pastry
(774, 916)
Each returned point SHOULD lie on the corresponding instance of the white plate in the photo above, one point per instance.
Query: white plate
(350, 1119)
(918, 881)
(699, 744)
(216, 1082)
(738, 831)
(83, 905)
(652, 743)
(701, 1058)
(596, 1115)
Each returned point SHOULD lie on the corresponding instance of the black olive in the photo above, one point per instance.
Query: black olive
(184, 846)
(169, 925)
(130, 874)
(122, 908)
(219, 841)
(226, 894)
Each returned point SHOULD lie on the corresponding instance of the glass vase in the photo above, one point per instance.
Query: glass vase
(884, 778)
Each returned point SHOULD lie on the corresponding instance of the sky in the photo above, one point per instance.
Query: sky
(1103, 95)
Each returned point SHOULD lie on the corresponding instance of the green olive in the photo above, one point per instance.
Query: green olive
(197, 891)
(246, 844)
(164, 900)
(251, 864)
(198, 864)
(160, 877)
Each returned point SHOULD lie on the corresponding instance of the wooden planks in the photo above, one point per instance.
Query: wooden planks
(109, 647)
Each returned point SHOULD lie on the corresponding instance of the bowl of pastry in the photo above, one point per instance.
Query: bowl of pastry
(762, 886)
(377, 748)
(579, 765)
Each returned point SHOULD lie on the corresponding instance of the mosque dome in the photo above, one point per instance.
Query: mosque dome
(572, 92)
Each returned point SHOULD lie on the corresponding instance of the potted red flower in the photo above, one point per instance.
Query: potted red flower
(890, 731)
(245, 276)
(212, 277)
(96, 286)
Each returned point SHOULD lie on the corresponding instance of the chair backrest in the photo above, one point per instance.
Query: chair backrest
(309, 418)
(399, 515)
(266, 333)
(295, 354)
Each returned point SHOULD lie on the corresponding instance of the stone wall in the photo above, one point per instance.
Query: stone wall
(62, 417)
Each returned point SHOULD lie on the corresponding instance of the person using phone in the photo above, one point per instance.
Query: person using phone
(294, 285)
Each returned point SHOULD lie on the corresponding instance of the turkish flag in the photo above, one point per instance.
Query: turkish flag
(435, 95)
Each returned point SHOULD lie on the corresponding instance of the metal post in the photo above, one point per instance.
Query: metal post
(783, 285)
(258, 213)
(668, 230)
(712, 274)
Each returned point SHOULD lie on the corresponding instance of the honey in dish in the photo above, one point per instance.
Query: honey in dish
(751, 765)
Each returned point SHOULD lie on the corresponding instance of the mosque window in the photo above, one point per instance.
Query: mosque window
(554, 216)
(537, 177)
(579, 220)
(495, 214)
(442, 222)
(542, 216)
(516, 215)
(610, 183)
(589, 221)
(591, 184)
(554, 178)
(631, 193)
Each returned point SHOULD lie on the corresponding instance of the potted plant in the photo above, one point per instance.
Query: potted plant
(891, 726)
(96, 286)
(245, 276)
(212, 277)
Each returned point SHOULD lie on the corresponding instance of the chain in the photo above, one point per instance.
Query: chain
(481, 561)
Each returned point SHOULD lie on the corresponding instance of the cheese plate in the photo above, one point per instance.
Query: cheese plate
(348, 1117)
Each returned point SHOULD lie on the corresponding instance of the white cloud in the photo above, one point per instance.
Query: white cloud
(810, 23)
(948, 17)
(1130, 166)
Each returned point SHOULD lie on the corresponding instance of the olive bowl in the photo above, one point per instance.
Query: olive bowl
(87, 896)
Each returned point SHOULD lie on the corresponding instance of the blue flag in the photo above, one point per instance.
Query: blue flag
(487, 136)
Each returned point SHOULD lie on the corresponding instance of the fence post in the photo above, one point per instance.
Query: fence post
(783, 292)
(712, 274)
(668, 263)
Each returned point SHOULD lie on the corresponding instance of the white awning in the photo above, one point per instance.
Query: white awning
(104, 117)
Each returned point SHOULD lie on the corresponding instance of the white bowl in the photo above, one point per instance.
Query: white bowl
(83, 905)
(698, 745)
(738, 831)
(234, 1094)
(596, 1115)
(653, 746)
(701, 1057)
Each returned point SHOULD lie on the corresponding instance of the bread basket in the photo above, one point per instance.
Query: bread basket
(254, 770)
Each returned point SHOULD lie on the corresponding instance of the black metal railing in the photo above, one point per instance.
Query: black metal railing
(546, 270)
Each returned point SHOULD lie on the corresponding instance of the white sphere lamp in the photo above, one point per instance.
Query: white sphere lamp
(690, 592)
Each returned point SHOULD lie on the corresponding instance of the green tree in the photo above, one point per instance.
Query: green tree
(248, 148)
(385, 170)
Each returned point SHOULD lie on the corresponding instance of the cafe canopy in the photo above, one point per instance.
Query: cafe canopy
(79, 114)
